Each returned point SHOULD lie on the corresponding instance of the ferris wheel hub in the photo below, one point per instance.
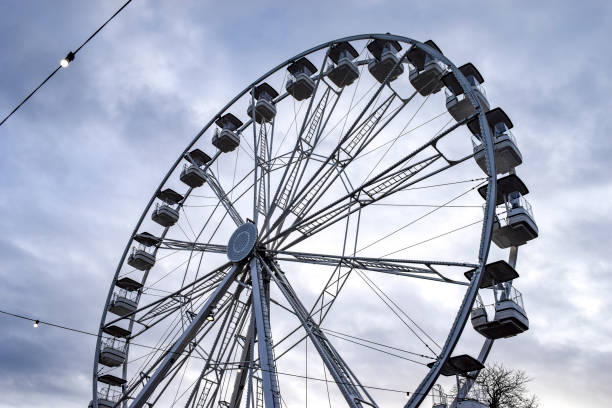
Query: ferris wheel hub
(242, 242)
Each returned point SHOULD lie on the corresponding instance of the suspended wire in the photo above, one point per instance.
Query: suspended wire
(443, 184)
(66, 61)
(396, 138)
(237, 364)
(377, 349)
(435, 237)
(376, 343)
(400, 309)
(417, 219)
(361, 275)
(426, 205)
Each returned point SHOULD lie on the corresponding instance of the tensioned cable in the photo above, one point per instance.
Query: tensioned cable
(376, 343)
(377, 349)
(396, 138)
(427, 205)
(395, 312)
(432, 238)
(69, 58)
(417, 219)
(238, 364)
(442, 184)
(400, 309)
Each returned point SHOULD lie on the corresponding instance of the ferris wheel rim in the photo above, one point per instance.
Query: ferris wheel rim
(487, 221)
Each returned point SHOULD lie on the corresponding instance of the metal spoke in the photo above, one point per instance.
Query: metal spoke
(396, 178)
(391, 266)
(261, 307)
(360, 134)
(180, 345)
(169, 243)
(221, 350)
(298, 141)
(349, 385)
(223, 198)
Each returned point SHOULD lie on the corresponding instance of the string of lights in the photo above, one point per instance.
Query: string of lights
(36, 323)
(64, 62)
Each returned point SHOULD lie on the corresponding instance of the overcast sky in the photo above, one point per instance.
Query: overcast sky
(81, 158)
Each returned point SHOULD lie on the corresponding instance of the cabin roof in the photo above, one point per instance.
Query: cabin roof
(451, 82)
(505, 185)
(334, 52)
(376, 46)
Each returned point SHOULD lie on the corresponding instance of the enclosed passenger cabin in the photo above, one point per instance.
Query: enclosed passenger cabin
(265, 110)
(438, 397)
(227, 139)
(112, 352)
(507, 153)
(518, 225)
(345, 71)
(141, 258)
(192, 174)
(123, 302)
(476, 397)
(107, 397)
(459, 365)
(457, 103)
(164, 214)
(385, 60)
(300, 85)
(509, 319)
(426, 71)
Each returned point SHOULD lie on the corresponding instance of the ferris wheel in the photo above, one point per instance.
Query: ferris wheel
(331, 245)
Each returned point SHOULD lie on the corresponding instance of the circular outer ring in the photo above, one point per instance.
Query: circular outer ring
(421, 392)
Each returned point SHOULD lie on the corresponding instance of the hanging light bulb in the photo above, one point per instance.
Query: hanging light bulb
(210, 317)
(67, 60)
(36, 323)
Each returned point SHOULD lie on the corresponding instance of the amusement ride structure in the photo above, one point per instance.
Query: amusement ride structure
(364, 166)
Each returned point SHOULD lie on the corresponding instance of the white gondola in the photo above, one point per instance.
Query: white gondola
(123, 302)
(112, 353)
(457, 104)
(192, 174)
(345, 71)
(426, 71)
(164, 214)
(141, 258)
(107, 397)
(518, 226)
(385, 59)
(265, 109)
(476, 397)
(507, 153)
(227, 139)
(300, 85)
(438, 396)
(509, 319)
